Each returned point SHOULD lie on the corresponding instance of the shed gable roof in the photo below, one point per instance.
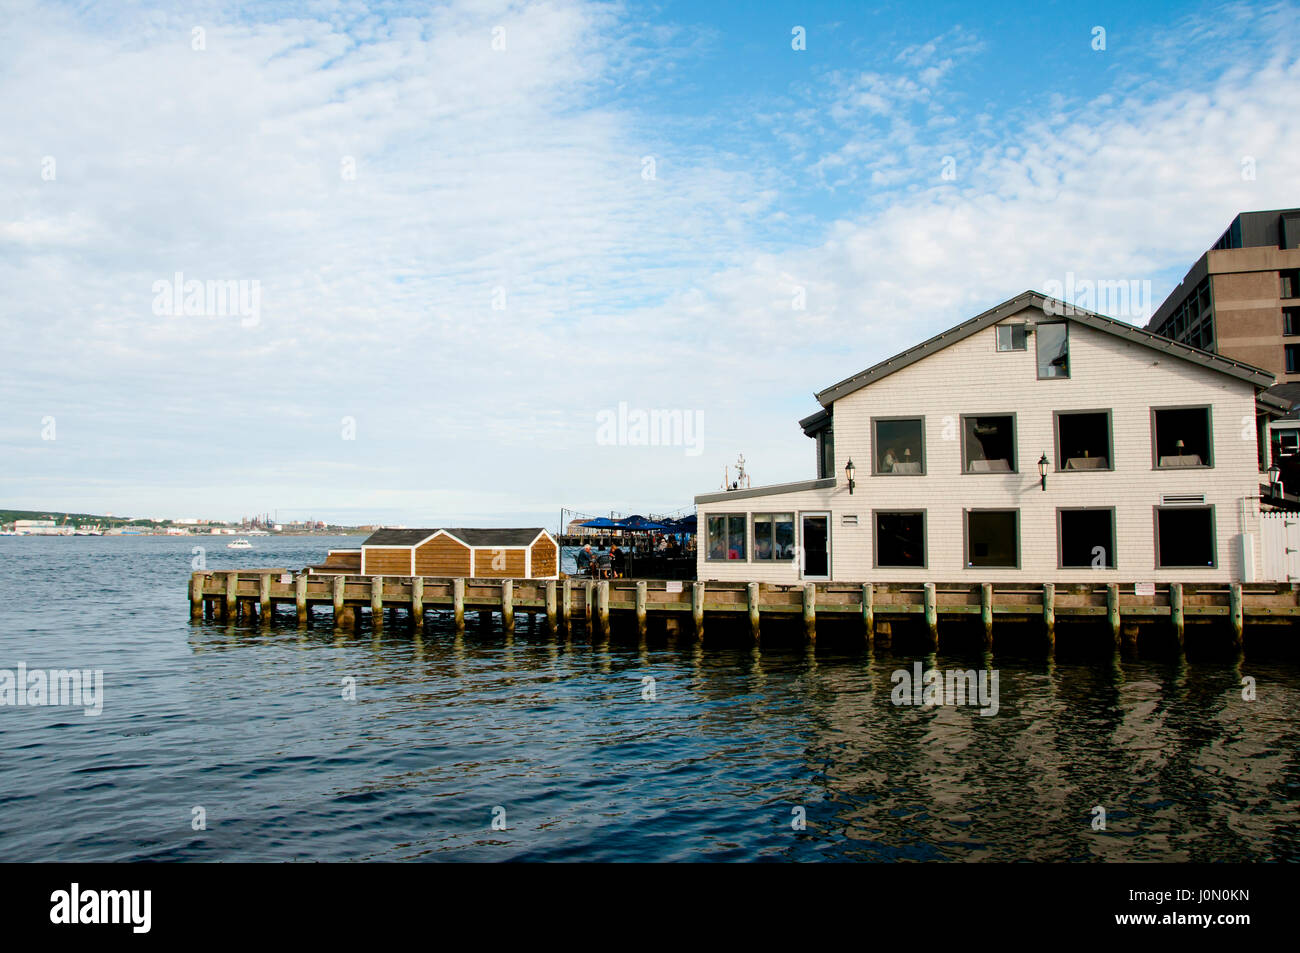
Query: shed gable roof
(1053, 307)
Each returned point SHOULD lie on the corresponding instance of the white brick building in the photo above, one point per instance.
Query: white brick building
(1151, 455)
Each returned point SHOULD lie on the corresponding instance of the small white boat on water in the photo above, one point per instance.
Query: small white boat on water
(240, 543)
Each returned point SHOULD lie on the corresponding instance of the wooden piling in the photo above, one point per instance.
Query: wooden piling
(230, 606)
(1049, 612)
(377, 602)
(300, 597)
(1112, 610)
(588, 598)
(869, 611)
(697, 607)
(986, 612)
(552, 623)
(751, 595)
(1235, 612)
(338, 601)
(602, 606)
(810, 610)
(458, 604)
(932, 614)
(196, 596)
(566, 604)
(1176, 610)
(641, 598)
(417, 601)
(264, 599)
(508, 605)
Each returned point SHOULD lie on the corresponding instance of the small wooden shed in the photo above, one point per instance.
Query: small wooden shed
(527, 553)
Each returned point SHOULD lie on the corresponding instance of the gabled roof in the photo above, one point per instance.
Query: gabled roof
(489, 536)
(1033, 299)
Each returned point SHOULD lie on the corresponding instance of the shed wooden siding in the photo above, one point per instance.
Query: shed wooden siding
(442, 556)
(972, 377)
(386, 562)
(510, 560)
(545, 556)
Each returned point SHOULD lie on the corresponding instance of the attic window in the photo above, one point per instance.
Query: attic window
(1011, 337)
(1053, 349)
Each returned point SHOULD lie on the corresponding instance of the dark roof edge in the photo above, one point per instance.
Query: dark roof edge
(814, 423)
(1026, 299)
(775, 488)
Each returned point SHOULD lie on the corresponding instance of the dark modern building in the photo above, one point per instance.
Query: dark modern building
(1241, 299)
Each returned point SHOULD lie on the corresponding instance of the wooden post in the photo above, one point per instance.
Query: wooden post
(932, 614)
(377, 601)
(986, 611)
(417, 601)
(300, 597)
(751, 593)
(589, 592)
(1176, 610)
(641, 608)
(1049, 612)
(508, 605)
(196, 595)
(697, 607)
(869, 610)
(230, 609)
(1112, 610)
(264, 599)
(1234, 609)
(458, 604)
(810, 610)
(566, 604)
(338, 601)
(602, 606)
(552, 625)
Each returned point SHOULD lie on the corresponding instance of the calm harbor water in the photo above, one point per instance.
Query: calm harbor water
(559, 738)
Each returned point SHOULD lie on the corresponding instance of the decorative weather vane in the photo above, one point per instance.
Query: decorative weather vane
(742, 478)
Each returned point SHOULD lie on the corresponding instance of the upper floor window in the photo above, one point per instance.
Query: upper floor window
(1290, 321)
(1182, 437)
(1053, 349)
(899, 446)
(1083, 440)
(989, 444)
(1290, 283)
(1011, 337)
(1292, 358)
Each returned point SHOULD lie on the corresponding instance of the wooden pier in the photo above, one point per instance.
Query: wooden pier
(874, 609)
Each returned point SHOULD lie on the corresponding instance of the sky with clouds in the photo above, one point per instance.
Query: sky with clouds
(477, 228)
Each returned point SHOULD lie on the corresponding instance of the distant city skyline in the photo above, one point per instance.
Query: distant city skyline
(472, 263)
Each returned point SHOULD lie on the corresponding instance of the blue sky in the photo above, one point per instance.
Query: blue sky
(476, 227)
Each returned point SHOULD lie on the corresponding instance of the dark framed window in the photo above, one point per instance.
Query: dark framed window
(773, 536)
(1012, 337)
(900, 539)
(989, 444)
(726, 536)
(1083, 440)
(1185, 537)
(825, 453)
(1290, 322)
(1053, 343)
(993, 539)
(1182, 437)
(899, 446)
(1290, 280)
(1086, 538)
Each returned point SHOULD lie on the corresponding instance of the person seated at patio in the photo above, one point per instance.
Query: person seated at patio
(583, 559)
(603, 567)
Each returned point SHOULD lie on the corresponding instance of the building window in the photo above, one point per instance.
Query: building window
(825, 454)
(1053, 349)
(1185, 537)
(989, 444)
(899, 446)
(1290, 322)
(1083, 440)
(1290, 283)
(992, 539)
(773, 536)
(1087, 538)
(900, 539)
(1182, 437)
(726, 536)
(1293, 359)
(1011, 337)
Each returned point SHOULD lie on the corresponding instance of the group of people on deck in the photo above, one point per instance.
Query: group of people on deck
(614, 564)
